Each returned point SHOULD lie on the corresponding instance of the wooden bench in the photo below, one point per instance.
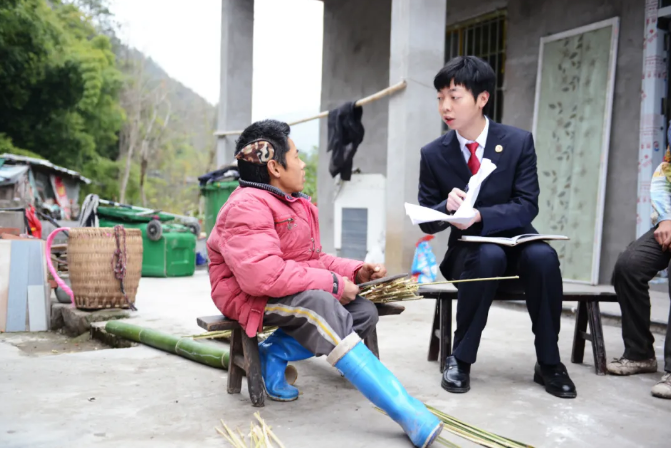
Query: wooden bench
(244, 353)
(440, 345)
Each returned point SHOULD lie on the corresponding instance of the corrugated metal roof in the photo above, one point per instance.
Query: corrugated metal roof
(44, 163)
(10, 174)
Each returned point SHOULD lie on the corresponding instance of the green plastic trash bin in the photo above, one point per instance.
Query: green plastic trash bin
(216, 194)
(170, 255)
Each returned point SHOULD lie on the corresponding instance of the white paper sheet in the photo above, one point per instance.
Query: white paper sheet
(465, 213)
(420, 214)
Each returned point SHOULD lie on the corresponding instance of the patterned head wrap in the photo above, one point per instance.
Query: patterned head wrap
(258, 152)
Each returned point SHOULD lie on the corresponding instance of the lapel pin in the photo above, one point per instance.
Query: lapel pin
(498, 148)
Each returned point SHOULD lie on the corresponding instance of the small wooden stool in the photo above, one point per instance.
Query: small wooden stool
(382, 310)
(244, 352)
(243, 357)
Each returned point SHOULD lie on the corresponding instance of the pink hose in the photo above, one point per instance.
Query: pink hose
(52, 270)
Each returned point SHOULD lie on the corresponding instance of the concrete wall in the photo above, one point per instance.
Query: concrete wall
(528, 21)
(355, 65)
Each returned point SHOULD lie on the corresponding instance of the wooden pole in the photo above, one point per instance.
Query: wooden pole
(364, 101)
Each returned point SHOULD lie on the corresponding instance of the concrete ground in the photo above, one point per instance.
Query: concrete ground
(144, 397)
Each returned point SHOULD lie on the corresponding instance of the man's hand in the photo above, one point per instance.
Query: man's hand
(476, 219)
(349, 293)
(454, 200)
(663, 234)
(370, 272)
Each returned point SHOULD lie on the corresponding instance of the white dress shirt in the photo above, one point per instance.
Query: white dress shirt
(481, 140)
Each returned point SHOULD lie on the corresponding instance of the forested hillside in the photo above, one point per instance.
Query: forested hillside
(72, 93)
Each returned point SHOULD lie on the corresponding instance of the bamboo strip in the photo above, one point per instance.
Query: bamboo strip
(445, 442)
(457, 281)
(268, 429)
(475, 434)
(260, 435)
(226, 335)
(469, 432)
(362, 102)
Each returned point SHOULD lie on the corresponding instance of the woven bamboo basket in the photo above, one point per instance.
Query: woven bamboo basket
(91, 252)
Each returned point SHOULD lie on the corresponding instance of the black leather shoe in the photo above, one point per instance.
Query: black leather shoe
(555, 379)
(457, 376)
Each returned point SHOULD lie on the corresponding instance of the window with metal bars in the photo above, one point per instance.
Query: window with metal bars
(484, 37)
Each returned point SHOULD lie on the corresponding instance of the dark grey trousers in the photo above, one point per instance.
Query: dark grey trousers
(318, 321)
(635, 267)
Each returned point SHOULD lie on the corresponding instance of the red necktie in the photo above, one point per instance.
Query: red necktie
(473, 162)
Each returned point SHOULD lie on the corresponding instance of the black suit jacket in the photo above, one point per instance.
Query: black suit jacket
(508, 199)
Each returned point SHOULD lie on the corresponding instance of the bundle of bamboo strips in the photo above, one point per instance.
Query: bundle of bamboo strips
(474, 434)
(397, 289)
(470, 432)
(405, 288)
(259, 435)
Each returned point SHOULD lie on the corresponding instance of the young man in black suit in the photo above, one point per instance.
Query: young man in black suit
(505, 207)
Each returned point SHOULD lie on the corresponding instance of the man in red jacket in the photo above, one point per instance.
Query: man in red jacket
(267, 267)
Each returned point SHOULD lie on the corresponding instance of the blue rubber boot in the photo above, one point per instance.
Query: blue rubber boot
(380, 386)
(275, 352)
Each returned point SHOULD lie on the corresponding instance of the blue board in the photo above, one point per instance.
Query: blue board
(17, 302)
(35, 270)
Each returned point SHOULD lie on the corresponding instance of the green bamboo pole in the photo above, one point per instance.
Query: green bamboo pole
(198, 352)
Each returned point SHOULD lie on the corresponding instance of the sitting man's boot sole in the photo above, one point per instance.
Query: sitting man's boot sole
(279, 399)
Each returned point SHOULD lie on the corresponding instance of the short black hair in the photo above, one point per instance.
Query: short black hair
(273, 131)
(473, 73)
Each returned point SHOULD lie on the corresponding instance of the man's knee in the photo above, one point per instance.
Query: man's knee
(322, 296)
(488, 260)
(330, 309)
(368, 313)
(625, 267)
(539, 257)
(322, 301)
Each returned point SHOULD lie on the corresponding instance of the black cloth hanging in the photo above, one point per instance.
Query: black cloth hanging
(345, 134)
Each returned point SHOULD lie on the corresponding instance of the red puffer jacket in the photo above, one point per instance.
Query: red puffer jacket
(265, 244)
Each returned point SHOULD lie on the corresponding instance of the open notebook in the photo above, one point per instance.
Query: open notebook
(512, 241)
